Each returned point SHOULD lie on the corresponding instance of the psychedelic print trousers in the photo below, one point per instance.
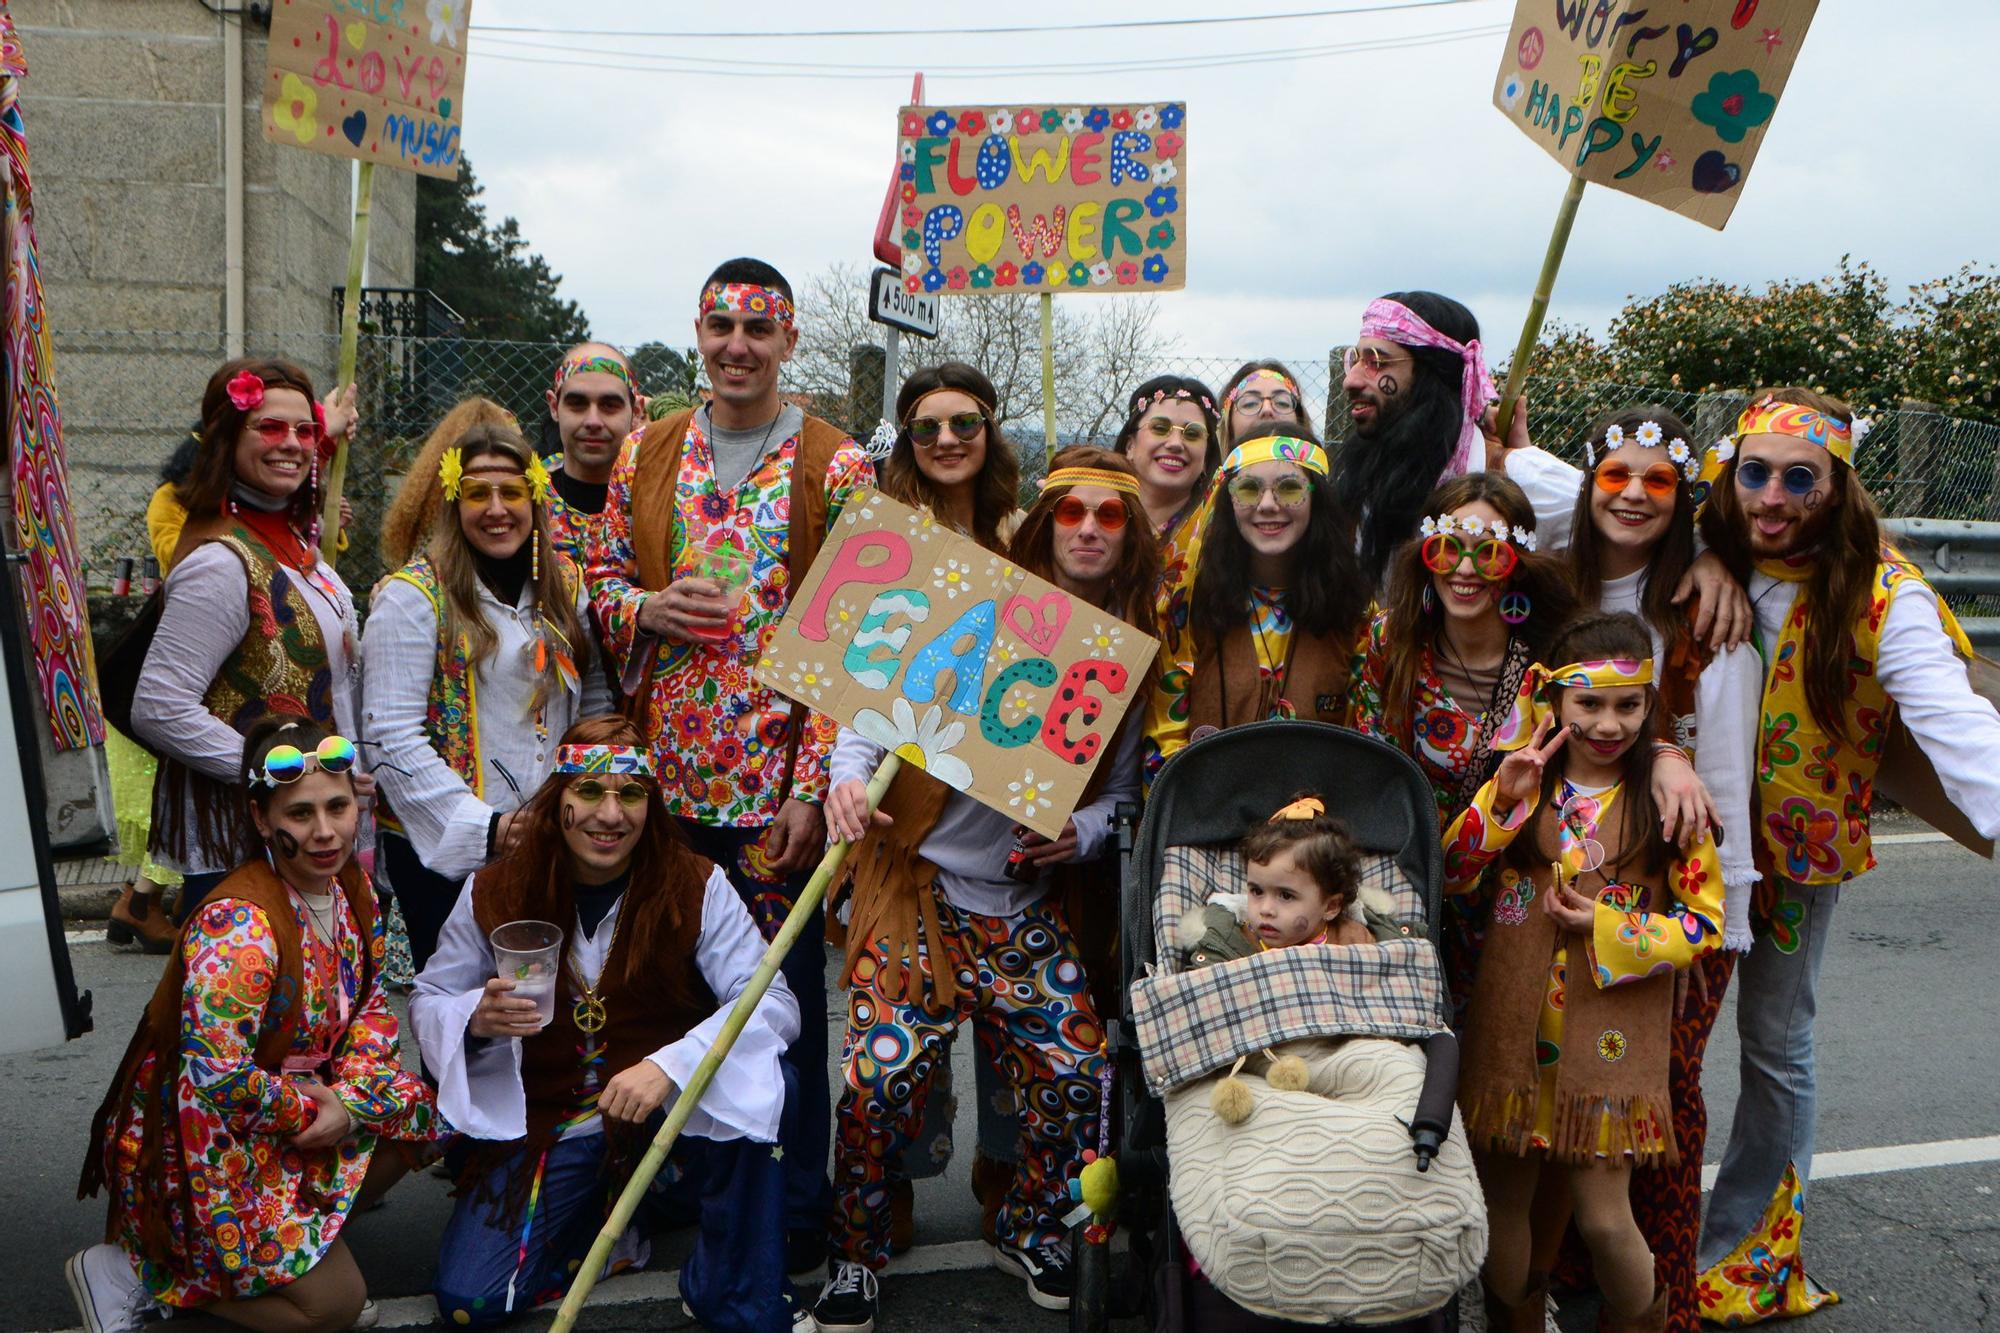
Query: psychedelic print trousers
(1021, 983)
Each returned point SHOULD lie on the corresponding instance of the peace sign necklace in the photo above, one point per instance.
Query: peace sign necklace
(588, 1010)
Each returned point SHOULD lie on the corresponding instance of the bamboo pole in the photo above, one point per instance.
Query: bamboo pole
(732, 1027)
(1049, 375)
(1538, 308)
(350, 341)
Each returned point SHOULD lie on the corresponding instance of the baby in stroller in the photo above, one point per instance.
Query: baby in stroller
(1315, 1205)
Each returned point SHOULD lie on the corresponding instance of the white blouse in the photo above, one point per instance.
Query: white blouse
(445, 821)
(206, 615)
(479, 1081)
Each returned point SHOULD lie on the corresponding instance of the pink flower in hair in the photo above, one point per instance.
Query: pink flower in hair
(246, 390)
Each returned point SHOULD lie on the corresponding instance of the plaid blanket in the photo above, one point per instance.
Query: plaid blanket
(1192, 1023)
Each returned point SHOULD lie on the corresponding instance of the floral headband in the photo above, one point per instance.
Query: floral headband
(1771, 417)
(451, 474)
(612, 759)
(246, 390)
(1471, 526)
(1306, 807)
(1260, 376)
(1091, 476)
(1276, 449)
(1648, 435)
(587, 362)
(1159, 396)
(1532, 704)
(746, 298)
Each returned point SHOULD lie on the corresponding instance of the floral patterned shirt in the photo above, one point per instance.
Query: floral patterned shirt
(1445, 742)
(719, 738)
(266, 1212)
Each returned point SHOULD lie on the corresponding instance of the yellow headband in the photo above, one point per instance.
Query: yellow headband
(1091, 476)
(451, 474)
(1276, 449)
(1306, 807)
(1770, 417)
(1532, 704)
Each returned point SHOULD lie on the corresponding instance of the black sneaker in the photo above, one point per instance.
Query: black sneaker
(1046, 1269)
(848, 1301)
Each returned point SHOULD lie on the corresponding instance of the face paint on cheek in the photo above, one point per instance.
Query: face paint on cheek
(1813, 500)
(287, 845)
(1387, 386)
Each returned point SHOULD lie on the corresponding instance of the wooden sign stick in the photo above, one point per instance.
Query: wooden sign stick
(1538, 308)
(746, 1003)
(343, 375)
(1049, 376)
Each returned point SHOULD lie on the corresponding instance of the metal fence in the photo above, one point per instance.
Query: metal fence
(128, 397)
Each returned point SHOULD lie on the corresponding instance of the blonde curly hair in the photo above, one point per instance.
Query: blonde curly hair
(407, 526)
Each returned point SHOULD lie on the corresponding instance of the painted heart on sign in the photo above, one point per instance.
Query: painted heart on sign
(355, 127)
(357, 33)
(444, 108)
(1041, 623)
(1714, 173)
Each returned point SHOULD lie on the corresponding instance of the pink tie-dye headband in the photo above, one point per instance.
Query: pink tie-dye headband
(1395, 322)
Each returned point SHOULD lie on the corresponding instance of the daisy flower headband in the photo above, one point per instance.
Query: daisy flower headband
(1648, 435)
(1472, 526)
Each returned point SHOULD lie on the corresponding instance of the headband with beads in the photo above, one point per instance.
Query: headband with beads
(1472, 526)
(1647, 435)
(1159, 396)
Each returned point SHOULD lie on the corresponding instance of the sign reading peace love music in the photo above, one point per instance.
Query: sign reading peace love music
(1669, 102)
(375, 80)
(993, 681)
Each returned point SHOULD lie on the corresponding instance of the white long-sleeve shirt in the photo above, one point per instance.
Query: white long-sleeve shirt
(445, 820)
(1917, 664)
(479, 1081)
(1551, 486)
(969, 843)
(1728, 698)
(206, 615)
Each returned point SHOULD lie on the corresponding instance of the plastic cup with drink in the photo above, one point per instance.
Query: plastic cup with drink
(728, 564)
(529, 953)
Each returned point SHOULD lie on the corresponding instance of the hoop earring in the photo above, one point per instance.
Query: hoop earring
(1430, 600)
(1516, 606)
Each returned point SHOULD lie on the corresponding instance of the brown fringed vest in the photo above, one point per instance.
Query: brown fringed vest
(638, 1019)
(163, 1209)
(891, 892)
(655, 525)
(1616, 1042)
(1228, 690)
(279, 667)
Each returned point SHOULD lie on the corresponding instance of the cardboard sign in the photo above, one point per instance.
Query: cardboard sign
(997, 201)
(375, 80)
(994, 682)
(1666, 102)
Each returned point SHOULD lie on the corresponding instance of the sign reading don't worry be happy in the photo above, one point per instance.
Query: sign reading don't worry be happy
(992, 680)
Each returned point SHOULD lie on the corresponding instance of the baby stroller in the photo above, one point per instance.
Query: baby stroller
(1350, 1204)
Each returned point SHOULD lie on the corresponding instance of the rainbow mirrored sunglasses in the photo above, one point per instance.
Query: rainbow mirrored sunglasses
(285, 764)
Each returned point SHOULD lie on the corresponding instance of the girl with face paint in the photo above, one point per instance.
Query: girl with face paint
(270, 1039)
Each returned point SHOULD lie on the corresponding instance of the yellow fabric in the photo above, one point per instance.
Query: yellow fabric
(165, 517)
(1092, 476)
(1276, 449)
(1765, 1276)
(1815, 789)
(1769, 417)
(1532, 703)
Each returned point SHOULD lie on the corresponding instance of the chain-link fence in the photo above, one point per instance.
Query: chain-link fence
(129, 397)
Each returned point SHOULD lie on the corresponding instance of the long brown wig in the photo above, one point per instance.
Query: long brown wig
(413, 513)
(1846, 542)
(1596, 636)
(1137, 573)
(456, 561)
(997, 489)
(663, 898)
(1671, 557)
(205, 489)
(1413, 624)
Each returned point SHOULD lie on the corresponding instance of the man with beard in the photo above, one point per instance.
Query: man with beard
(1855, 639)
(593, 408)
(711, 518)
(1416, 385)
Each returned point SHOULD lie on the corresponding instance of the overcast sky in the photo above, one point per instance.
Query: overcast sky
(1319, 182)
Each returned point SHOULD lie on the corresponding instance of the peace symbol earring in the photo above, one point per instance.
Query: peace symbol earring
(1516, 606)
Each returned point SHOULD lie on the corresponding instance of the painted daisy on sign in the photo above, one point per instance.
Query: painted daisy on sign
(1028, 794)
(953, 578)
(1104, 640)
(811, 680)
(927, 743)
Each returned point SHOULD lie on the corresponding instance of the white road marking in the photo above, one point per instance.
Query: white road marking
(1891, 839)
(84, 936)
(1904, 1157)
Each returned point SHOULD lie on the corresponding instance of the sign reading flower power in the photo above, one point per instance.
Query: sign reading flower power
(969, 667)
(1666, 102)
(375, 80)
(998, 201)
